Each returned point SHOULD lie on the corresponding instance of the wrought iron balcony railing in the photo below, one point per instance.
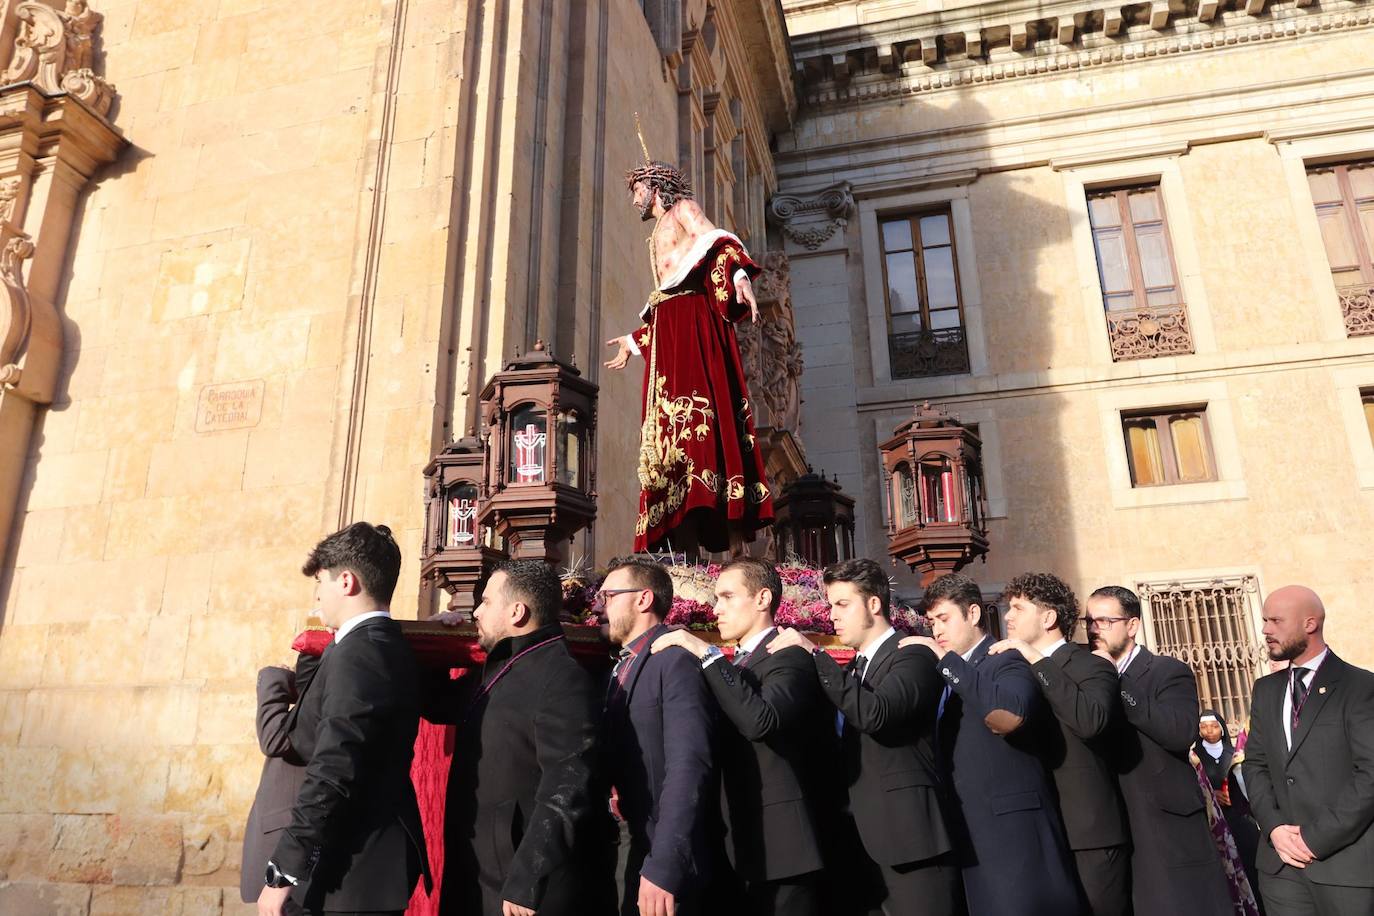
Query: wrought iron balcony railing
(1357, 307)
(1144, 333)
(923, 353)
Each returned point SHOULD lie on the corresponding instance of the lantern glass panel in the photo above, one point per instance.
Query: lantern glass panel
(939, 497)
(461, 527)
(529, 437)
(906, 496)
(571, 436)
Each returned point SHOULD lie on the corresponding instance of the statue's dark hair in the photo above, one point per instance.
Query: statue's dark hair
(664, 178)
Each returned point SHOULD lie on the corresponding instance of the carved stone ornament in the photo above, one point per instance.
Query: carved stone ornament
(9, 193)
(769, 350)
(15, 315)
(54, 51)
(811, 220)
(1144, 333)
(1357, 307)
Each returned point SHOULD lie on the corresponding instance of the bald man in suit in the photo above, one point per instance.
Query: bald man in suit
(1309, 766)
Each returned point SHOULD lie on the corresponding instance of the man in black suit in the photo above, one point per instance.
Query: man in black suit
(354, 842)
(519, 786)
(282, 771)
(1309, 766)
(1175, 866)
(657, 733)
(1012, 847)
(772, 761)
(1081, 689)
(886, 701)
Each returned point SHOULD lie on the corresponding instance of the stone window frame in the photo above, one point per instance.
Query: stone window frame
(871, 211)
(1298, 149)
(1230, 484)
(1349, 383)
(1081, 177)
(1165, 436)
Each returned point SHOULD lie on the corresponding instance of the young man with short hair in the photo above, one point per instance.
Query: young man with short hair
(524, 749)
(354, 842)
(1081, 689)
(774, 761)
(1175, 866)
(1012, 847)
(657, 741)
(886, 701)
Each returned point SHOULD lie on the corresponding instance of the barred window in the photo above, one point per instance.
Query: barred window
(1210, 626)
(925, 319)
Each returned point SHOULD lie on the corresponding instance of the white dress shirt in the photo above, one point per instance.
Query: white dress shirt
(867, 652)
(747, 645)
(1050, 650)
(967, 655)
(1126, 662)
(1312, 664)
(351, 623)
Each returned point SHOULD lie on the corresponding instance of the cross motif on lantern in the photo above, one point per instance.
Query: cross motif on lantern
(529, 454)
(462, 521)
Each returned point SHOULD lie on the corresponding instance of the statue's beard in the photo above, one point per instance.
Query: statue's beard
(646, 210)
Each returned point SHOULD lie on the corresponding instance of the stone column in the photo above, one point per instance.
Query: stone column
(54, 135)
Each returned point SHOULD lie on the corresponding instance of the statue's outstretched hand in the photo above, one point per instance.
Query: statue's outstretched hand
(745, 290)
(621, 357)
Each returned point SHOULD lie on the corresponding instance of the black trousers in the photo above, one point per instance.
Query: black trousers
(1291, 893)
(1105, 875)
(799, 896)
(931, 888)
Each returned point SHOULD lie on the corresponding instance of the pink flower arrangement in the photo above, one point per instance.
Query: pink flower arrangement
(803, 600)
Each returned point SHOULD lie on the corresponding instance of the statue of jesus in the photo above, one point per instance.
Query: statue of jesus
(701, 478)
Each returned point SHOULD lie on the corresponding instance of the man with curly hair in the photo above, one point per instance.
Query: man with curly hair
(702, 481)
(1081, 689)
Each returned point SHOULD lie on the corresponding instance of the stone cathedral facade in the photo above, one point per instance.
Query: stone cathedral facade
(259, 258)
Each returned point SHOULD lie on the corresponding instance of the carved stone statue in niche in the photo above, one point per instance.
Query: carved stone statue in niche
(54, 50)
(770, 352)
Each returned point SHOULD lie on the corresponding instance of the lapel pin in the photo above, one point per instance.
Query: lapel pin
(1321, 690)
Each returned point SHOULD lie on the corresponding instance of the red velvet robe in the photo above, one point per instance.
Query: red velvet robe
(697, 450)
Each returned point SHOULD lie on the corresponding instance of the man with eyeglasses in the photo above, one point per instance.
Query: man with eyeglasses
(656, 735)
(1309, 766)
(1175, 866)
(1081, 689)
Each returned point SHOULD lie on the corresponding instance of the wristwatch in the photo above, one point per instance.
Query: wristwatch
(277, 878)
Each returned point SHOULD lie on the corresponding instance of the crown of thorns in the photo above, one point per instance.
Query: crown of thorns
(664, 178)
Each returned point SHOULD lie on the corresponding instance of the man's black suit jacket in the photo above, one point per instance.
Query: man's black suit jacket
(519, 785)
(888, 751)
(282, 772)
(1084, 694)
(657, 744)
(1325, 783)
(355, 840)
(1014, 855)
(773, 760)
(1175, 866)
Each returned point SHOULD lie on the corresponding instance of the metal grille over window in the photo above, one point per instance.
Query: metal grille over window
(1210, 626)
(1146, 316)
(925, 325)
